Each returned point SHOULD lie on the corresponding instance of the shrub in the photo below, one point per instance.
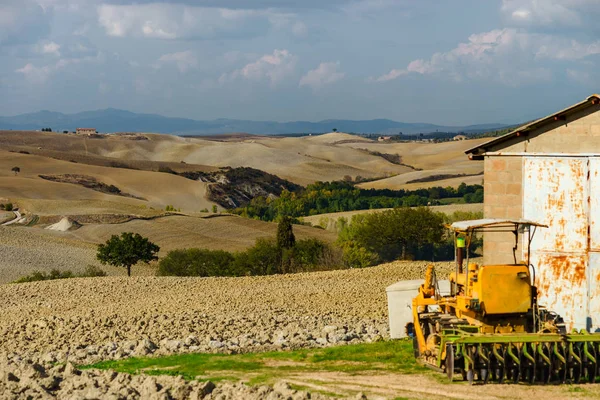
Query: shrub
(113, 189)
(8, 206)
(90, 271)
(264, 258)
(165, 169)
(355, 256)
(267, 258)
(312, 254)
(405, 233)
(197, 262)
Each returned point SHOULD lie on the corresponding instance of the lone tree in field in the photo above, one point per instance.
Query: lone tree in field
(285, 234)
(127, 250)
(16, 170)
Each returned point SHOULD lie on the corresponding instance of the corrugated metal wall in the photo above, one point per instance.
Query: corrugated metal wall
(564, 193)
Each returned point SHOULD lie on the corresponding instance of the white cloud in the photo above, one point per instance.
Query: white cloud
(509, 56)
(39, 75)
(567, 49)
(33, 74)
(272, 67)
(50, 48)
(179, 21)
(325, 74)
(551, 13)
(184, 60)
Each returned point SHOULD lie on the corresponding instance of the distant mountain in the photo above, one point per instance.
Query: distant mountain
(113, 120)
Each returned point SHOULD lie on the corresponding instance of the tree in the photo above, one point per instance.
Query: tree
(401, 232)
(197, 262)
(334, 129)
(285, 233)
(16, 170)
(214, 208)
(127, 250)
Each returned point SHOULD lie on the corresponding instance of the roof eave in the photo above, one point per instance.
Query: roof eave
(478, 151)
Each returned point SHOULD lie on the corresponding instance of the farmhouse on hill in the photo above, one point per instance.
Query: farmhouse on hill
(459, 137)
(86, 131)
(548, 171)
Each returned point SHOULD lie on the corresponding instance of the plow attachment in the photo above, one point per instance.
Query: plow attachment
(513, 358)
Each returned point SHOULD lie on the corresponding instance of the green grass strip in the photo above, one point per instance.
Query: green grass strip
(392, 356)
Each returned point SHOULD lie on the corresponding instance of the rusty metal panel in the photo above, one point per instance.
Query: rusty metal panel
(594, 292)
(555, 192)
(594, 255)
(594, 202)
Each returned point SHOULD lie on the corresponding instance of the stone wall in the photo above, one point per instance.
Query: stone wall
(503, 199)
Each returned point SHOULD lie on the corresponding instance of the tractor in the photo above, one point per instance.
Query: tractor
(490, 327)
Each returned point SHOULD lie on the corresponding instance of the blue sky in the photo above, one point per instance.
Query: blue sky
(446, 61)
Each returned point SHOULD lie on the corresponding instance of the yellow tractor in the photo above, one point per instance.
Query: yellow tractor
(490, 327)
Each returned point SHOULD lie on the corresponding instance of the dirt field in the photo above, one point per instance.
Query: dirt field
(25, 249)
(159, 189)
(431, 159)
(86, 320)
(90, 319)
(302, 160)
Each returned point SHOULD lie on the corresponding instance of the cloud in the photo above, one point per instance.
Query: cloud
(325, 74)
(50, 48)
(179, 21)
(184, 60)
(22, 22)
(551, 13)
(581, 77)
(510, 56)
(254, 4)
(33, 74)
(39, 75)
(299, 29)
(564, 49)
(272, 67)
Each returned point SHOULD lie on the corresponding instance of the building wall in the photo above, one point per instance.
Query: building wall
(503, 198)
(85, 131)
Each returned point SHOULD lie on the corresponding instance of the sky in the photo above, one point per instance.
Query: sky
(450, 62)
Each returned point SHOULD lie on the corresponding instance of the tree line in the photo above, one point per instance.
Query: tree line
(329, 197)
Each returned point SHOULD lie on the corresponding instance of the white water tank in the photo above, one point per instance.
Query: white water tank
(400, 296)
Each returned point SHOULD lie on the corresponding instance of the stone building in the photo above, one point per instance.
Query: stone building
(85, 131)
(548, 171)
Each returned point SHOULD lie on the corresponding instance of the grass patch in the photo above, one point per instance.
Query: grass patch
(260, 368)
(452, 200)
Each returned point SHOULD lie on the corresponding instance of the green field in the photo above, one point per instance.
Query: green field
(255, 368)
